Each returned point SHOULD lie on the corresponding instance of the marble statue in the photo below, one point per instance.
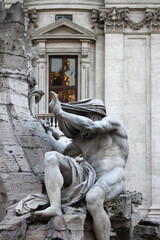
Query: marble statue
(34, 95)
(98, 173)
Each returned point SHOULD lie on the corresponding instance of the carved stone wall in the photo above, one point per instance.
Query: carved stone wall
(23, 141)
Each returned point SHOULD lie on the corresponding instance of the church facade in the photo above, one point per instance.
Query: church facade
(107, 49)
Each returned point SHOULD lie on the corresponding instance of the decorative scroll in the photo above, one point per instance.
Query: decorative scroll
(115, 19)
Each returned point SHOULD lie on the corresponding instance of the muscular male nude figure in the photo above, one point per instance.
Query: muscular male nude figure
(104, 145)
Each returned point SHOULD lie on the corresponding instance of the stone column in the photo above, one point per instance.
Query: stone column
(85, 69)
(42, 78)
(99, 67)
(114, 74)
(155, 128)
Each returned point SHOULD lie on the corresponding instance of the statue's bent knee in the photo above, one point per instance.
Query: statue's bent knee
(92, 200)
(51, 158)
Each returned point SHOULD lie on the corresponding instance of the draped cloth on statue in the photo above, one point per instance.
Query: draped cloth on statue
(89, 108)
(84, 107)
(30, 203)
(83, 178)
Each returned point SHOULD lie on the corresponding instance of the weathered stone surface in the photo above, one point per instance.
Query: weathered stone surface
(14, 14)
(146, 229)
(9, 96)
(37, 231)
(23, 141)
(20, 184)
(124, 214)
(14, 84)
(69, 226)
(13, 40)
(14, 159)
(12, 226)
(15, 232)
(73, 219)
(3, 200)
(74, 224)
(122, 207)
(1, 5)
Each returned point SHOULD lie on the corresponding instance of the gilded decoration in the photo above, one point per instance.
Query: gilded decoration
(116, 20)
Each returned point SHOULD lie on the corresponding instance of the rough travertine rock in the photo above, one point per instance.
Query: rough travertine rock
(75, 223)
(68, 226)
(147, 229)
(23, 141)
(124, 214)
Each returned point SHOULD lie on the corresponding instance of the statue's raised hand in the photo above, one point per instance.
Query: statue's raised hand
(55, 105)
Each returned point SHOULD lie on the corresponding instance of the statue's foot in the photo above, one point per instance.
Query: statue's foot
(51, 211)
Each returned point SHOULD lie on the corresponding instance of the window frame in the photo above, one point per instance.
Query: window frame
(66, 16)
(63, 87)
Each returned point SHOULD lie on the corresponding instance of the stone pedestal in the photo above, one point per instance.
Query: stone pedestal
(75, 223)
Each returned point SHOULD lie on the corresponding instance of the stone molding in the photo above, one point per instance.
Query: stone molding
(63, 29)
(118, 19)
(65, 4)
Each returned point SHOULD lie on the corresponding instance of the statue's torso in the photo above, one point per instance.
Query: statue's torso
(104, 152)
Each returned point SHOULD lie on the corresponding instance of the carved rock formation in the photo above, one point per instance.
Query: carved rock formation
(23, 140)
(76, 223)
(147, 229)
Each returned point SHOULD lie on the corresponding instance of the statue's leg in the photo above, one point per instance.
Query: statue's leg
(55, 165)
(101, 223)
(118, 188)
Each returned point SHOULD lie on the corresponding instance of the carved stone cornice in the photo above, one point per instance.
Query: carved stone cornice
(117, 20)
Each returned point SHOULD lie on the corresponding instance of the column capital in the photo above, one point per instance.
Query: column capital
(85, 50)
(41, 48)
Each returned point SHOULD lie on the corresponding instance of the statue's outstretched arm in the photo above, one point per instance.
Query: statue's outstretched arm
(84, 124)
(81, 123)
